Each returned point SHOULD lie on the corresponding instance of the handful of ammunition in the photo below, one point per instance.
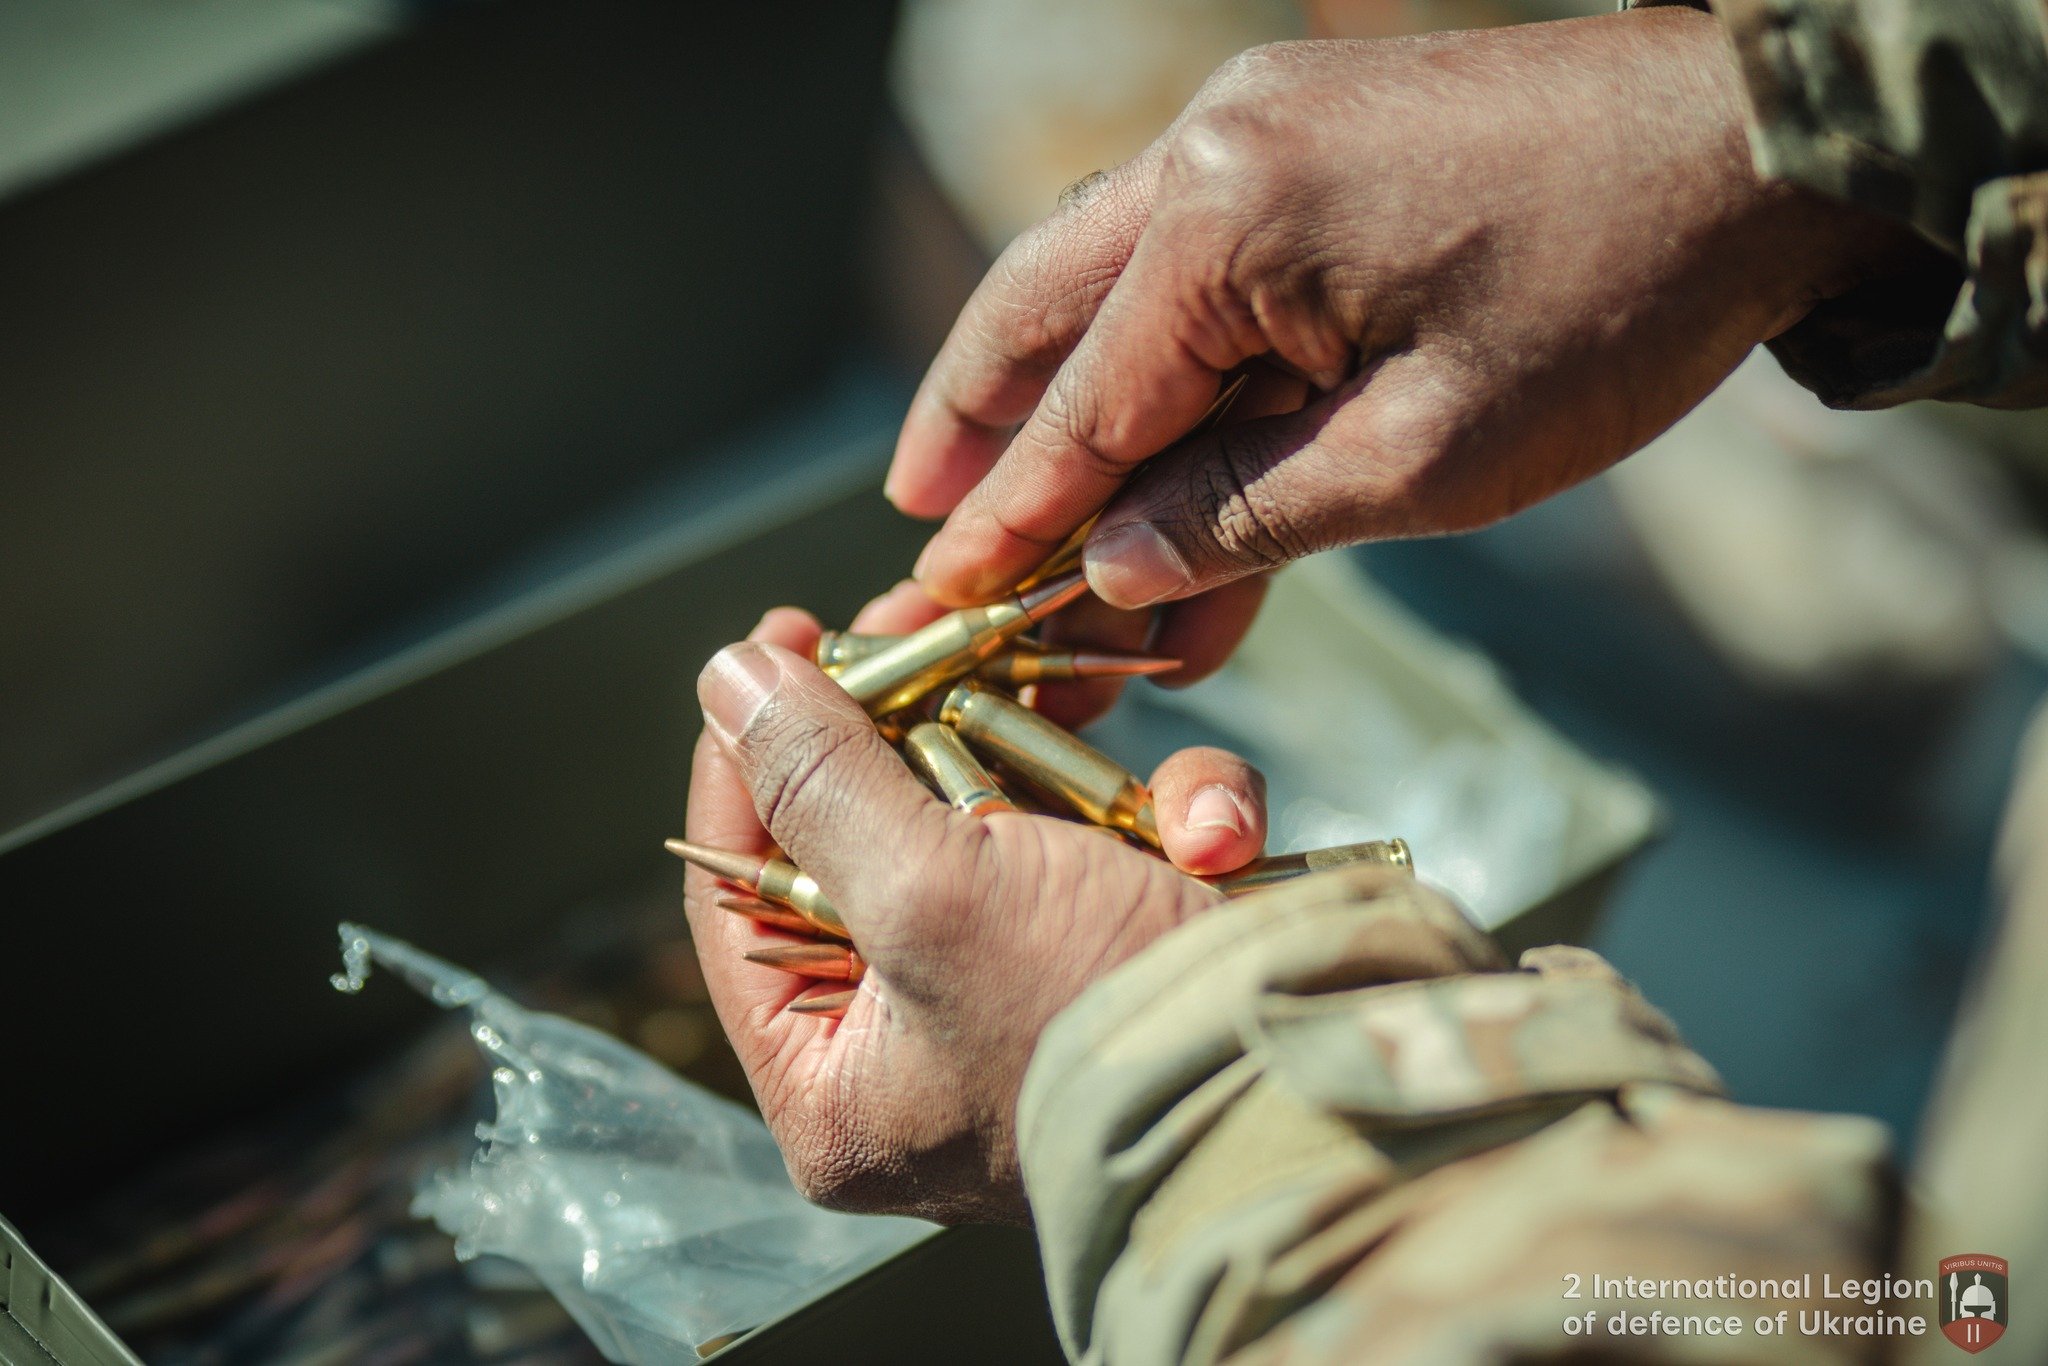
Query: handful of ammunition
(943, 695)
(954, 699)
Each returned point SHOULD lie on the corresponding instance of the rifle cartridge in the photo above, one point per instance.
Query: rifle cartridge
(772, 879)
(942, 759)
(925, 659)
(1268, 872)
(1061, 764)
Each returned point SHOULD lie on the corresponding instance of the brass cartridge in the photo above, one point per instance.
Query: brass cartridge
(942, 759)
(1061, 764)
(837, 649)
(951, 646)
(1267, 872)
(773, 879)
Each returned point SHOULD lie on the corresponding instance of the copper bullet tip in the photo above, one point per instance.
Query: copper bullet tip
(832, 1005)
(826, 962)
(1122, 666)
(1048, 597)
(729, 864)
(789, 955)
(766, 913)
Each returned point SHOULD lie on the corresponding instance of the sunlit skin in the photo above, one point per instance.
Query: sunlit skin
(975, 932)
(1467, 270)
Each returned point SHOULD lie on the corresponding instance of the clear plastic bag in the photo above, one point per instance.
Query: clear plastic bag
(659, 1214)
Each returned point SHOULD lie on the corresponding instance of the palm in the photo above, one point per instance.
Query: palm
(972, 946)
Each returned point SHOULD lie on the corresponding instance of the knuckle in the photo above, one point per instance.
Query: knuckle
(1073, 416)
(795, 749)
(1223, 152)
(1244, 506)
(1230, 137)
(1028, 325)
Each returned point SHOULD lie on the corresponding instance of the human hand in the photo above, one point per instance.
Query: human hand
(976, 931)
(1468, 270)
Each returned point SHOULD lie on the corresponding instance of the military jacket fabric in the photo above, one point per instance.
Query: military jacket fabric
(1934, 112)
(1327, 1124)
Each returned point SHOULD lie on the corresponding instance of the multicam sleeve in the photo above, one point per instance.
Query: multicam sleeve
(1325, 1124)
(1935, 112)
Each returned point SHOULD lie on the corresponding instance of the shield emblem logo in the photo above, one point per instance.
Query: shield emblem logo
(1971, 1297)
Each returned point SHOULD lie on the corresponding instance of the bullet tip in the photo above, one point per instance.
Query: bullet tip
(726, 863)
(1048, 597)
(1122, 666)
(831, 1005)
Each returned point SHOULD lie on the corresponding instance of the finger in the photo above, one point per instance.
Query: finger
(1203, 632)
(829, 789)
(790, 627)
(1211, 807)
(901, 610)
(1090, 624)
(749, 998)
(1021, 322)
(1132, 386)
(1257, 495)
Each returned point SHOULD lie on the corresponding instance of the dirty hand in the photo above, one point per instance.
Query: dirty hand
(976, 931)
(1467, 271)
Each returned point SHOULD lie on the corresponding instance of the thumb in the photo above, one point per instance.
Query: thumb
(825, 783)
(1254, 496)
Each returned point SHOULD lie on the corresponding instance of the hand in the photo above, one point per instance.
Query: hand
(976, 932)
(1468, 271)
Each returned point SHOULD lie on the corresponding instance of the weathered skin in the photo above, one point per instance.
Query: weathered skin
(1327, 1123)
(1253, 1143)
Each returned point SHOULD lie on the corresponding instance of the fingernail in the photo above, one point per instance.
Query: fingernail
(924, 559)
(1216, 808)
(735, 685)
(1134, 566)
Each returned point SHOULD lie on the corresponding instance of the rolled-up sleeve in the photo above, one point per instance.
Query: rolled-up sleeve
(1934, 112)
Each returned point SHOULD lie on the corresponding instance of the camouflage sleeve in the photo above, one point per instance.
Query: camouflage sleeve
(1325, 1124)
(1935, 112)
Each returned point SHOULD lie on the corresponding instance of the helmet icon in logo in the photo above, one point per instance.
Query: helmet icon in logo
(1971, 1297)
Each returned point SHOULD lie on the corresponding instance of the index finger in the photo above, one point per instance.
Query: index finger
(1022, 321)
(1132, 387)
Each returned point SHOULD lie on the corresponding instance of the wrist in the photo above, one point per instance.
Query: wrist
(1792, 245)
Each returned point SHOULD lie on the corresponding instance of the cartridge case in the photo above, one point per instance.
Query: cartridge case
(1060, 764)
(1267, 872)
(942, 759)
(794, 888)
(924, 660)
(776, 879)
(837, 649)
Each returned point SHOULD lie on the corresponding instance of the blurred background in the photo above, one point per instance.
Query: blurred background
(398, 401)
